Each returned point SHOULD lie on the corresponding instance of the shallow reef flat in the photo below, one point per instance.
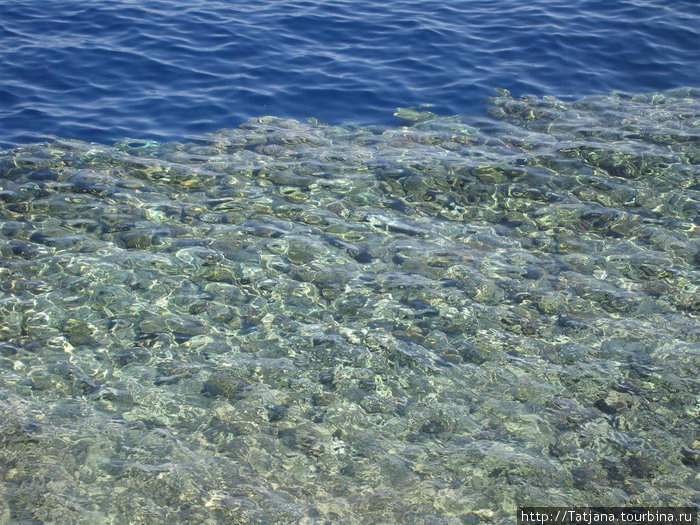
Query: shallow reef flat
(301, 322)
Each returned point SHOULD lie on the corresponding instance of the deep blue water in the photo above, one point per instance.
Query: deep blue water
(103, 70)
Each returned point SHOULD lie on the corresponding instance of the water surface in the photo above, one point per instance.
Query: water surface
(299, 322)
(104, 70)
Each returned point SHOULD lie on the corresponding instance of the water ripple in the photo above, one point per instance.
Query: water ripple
(295, 322)
(337, 61)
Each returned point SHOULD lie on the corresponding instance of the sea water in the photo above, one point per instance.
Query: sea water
(428, 317)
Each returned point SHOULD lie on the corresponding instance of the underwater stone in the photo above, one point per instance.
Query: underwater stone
(8, 349)
(327, 378)
(358, 253)
(532, 273)
(185, 324)
(136, 240)
(690, 457)
(276, 413)
(124, 356)
(11, 196)
(227, 386)
(79, 332)
(19, 249)
(219, 274)
(377, 405)
(320, 399)
(642, 466)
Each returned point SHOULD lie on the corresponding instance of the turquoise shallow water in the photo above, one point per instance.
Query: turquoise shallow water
(300, 322)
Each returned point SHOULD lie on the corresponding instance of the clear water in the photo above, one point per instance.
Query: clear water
(422, 315)
(300, 322)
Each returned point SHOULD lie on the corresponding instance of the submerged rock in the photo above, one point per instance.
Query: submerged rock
(324, 319)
